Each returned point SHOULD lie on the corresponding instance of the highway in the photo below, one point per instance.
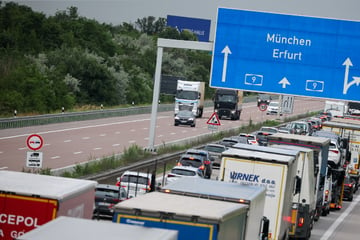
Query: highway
(72, 143)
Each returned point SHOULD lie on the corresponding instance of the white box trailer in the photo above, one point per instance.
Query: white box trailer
(253, 196)
(68, 228)
(320, 146)
(193, 218)
(275, 172)
(304, 205)
(28, 201)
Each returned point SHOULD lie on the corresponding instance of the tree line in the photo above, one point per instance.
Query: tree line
(66, 60)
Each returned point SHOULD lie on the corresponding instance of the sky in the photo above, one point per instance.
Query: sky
(118, 11)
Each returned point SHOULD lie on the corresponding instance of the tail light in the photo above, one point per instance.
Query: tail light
(348, 185)
(202, 167)
(335, 151)
(207, 162)
(170, 175)
(123, 186)
(326, 195)
(178, 164)
(301, 222)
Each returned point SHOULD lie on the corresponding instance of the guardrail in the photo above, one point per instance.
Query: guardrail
(19, 122)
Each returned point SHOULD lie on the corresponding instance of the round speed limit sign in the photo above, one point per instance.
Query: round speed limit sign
(263, 107)
(34, 142)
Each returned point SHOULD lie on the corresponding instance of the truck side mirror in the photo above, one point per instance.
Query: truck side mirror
(265, 222)
(297, 185)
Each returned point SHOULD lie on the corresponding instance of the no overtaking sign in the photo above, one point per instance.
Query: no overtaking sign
(34, 142)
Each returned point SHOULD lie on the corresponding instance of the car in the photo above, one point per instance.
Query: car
(263, 98)
(185, 117)
(250, 137)
(135, 183)
(337, 148)
(215, 151)
(318, 123)
(301, 127)
(229, 141)
(106, 196)
(349, 188)
(335, 154)
(196, 161)
(325, 115)
(183, 171)
(273, 108)
(270, 130)
(207, 157)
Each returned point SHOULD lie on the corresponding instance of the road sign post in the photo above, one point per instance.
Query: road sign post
(285, 54)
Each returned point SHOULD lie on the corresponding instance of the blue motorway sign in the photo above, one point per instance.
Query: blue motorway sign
(286, 54)
(200, 27)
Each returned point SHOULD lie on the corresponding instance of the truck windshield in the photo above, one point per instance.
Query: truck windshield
(226, 98)
(189, 95)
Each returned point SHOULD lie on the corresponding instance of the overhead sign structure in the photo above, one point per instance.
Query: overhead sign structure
(34, 142)
(286, 54)
(214, 120)
(199, 27)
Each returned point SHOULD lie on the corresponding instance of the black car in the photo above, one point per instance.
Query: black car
(349, 188)
(197, 161)
(185, 117)
(229, 141)
(106, 196)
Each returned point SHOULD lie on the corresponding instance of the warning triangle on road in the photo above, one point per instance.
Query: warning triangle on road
(214, 120)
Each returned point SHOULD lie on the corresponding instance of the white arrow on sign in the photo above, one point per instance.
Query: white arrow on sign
(226, 52)
(284, 82)
(356, 80)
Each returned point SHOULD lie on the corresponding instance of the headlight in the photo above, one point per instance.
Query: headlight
(191, 119)
(177, 118)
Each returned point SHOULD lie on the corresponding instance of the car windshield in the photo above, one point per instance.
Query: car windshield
(214, 149)
(185, 114)
(106, 193)
(274, 104)
(183, 172)
(191, 162)
(266, 129)
(135, 179)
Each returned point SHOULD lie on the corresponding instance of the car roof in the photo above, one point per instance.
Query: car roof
(192, 156)
(107, 186)
(187, 168)
(133, 173)
(195, 150)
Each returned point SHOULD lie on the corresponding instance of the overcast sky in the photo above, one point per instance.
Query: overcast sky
(119, 11)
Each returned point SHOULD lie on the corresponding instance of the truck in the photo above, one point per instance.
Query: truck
(193, 218)
(228, 103)
(28, 201)
(336, 108)
(253, 196)
(277, 173)
(190, 96)
(320, 146)
(303, 203)
(71, 228)
(348, 129)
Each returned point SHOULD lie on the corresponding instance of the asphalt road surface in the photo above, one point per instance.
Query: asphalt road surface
(66, 144)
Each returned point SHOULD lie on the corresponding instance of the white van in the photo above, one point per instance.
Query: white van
(135, 183)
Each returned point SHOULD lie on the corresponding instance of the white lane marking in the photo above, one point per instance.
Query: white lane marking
(47, 144)
(77, 152)
(132, 141)
(23, 148)
(160, 135)
(116, 145)
(84, 127)
(85, 138)
(1, 152)
(172, 133)
(132, 130)
(102, 135)
(98, 148)
(339, 220)
(66, 141)
(147, 138)
(55, 157)
(117, 132)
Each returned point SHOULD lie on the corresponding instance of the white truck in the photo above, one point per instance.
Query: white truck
(336, 108)
(320, 146)
(190, 96)
(75, 229)
(303, 202)
(253, 196)
(275, 172)
(193, 218)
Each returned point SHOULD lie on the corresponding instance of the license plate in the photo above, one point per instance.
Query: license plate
(104, 204)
